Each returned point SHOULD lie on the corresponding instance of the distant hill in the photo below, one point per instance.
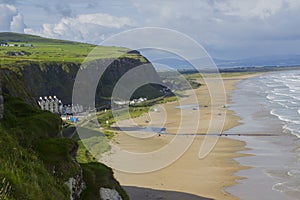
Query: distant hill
(26, 38)
(185, 64)
(284, 60)
(276, 60)
(160, 58)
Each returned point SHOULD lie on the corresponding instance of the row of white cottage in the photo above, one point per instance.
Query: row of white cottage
(132, 102)
(54, 105)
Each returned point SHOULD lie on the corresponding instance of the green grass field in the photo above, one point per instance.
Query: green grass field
(49, 50)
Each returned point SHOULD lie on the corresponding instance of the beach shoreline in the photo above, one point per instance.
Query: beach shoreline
(274, 172)
(204, 178)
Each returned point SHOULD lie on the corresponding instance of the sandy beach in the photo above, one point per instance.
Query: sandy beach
(188, 177)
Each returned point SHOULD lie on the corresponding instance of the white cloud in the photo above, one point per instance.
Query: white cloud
(105, 20)
(85, 27)
(17, 24)
(10, 19)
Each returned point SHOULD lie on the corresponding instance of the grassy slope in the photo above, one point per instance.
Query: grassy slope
(36, 161)
(23, 175)
(25, 170)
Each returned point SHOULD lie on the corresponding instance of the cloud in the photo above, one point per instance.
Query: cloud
(56, 8)
(228, 26)
(10, 19)
(224, 27)
(17, 24)
(86, 27)
(165, 11)
(7, 12)
(249, 9)
(64, 10)
(105, 20)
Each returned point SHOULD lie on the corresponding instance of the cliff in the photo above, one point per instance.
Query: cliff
(36, 161)
(57, 78)
(49, 67)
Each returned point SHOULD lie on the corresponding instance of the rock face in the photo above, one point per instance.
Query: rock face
(30, 80)
(76, 185)
(54, 78)
(109, 194)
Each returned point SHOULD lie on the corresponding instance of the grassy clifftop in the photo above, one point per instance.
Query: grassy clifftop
(35, 48)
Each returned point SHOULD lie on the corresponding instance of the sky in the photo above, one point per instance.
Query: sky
(227, 29)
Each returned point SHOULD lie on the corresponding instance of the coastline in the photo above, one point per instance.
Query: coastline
(274, 172)
(205, 178)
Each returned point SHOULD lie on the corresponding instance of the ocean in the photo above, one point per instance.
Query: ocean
(269, 104)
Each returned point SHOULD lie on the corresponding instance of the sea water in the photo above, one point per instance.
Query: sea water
(269, 104)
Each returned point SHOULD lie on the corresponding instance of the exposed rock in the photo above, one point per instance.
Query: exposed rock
(109, 194)
(76, 185)
(56, 78)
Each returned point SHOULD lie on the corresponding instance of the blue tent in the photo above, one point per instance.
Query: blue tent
(73, 119)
